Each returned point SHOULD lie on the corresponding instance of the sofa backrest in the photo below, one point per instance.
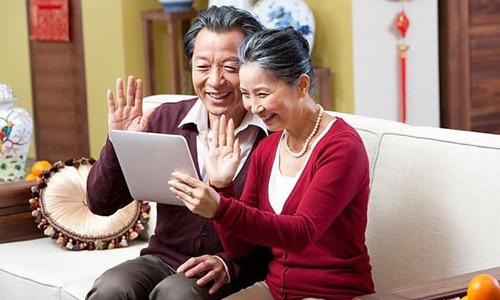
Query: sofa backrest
(435, 196)
(434, 204)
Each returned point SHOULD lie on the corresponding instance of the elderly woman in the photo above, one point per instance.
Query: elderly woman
(307, 189)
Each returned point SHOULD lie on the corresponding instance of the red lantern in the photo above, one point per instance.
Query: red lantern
(402, 24)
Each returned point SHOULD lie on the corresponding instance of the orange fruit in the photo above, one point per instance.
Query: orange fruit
(40, 166)
(30, 177)
(483, 287)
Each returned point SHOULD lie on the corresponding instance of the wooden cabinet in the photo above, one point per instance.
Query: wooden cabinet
(16, 222)
(469, 34)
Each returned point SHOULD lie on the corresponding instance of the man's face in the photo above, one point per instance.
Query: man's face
(215, 73)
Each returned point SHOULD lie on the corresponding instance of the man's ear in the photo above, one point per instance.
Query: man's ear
(303, 84)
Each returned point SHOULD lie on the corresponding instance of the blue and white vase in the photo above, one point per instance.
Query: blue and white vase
(275, 14)
(16, 127)
(176, 5)
(243, 4)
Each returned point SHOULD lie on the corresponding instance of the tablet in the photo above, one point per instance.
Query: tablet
(148, 160)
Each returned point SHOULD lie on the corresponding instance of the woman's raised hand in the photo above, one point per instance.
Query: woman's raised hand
(222, 155)
(126, 113)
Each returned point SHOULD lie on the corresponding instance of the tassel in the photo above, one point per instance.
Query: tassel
(133, 235)
(98, 245)
(49, 231)
(60, 240)
(69, 245)
(124, 243)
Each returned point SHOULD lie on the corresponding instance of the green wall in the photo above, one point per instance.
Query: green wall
(112, 36)
(333, 48)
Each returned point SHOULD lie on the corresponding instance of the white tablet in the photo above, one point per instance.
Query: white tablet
(148, 160)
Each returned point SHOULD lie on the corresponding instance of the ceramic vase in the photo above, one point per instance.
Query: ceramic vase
(276, 14)
(16, 127)
(243, 4)
(176, 5)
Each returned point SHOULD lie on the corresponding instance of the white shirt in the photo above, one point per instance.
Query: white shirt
(281, 186)
(246, 133)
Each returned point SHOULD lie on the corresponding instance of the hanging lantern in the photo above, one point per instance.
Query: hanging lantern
(402, 24)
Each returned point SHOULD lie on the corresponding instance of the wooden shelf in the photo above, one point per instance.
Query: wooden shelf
(177, 23)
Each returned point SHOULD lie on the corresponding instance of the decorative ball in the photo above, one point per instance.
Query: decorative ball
(277, 14)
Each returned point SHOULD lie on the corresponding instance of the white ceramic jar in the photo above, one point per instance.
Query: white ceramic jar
(16, 127)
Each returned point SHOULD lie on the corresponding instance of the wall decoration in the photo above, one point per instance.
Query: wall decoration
(49, 20)
(402, 23)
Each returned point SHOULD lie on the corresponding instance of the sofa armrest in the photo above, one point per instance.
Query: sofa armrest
(16, 222)
(446, 288)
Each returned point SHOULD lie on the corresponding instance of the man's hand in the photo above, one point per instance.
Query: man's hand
(126, 113)
(208, 267)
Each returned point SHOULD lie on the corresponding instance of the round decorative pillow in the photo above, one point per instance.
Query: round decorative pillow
(59, 205)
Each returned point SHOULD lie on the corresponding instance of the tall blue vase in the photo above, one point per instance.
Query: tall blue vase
(16, 127)
(276, 14)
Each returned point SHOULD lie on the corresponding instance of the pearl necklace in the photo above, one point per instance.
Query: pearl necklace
(309, 138)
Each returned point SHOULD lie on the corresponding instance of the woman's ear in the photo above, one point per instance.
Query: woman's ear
(303, 85)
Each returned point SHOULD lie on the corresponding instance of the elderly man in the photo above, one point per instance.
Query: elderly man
(182, 238)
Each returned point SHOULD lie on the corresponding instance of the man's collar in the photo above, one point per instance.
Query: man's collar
(198, 115)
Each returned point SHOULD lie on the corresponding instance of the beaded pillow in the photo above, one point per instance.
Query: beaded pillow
(59, 205)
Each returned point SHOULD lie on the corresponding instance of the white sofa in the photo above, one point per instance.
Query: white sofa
(433, 213)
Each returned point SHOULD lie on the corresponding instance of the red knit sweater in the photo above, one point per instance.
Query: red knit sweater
(318, 241)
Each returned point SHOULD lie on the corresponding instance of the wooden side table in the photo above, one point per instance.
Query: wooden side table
(16, 222)
(176, 23)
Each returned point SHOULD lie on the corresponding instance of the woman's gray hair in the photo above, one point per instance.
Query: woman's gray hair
(282, 52)
(220, 19)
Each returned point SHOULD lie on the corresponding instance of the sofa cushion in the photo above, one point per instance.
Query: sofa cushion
(59, 205)
(431, 210)
(38, 269)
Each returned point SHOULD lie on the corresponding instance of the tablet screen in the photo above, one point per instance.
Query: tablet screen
(148, 160)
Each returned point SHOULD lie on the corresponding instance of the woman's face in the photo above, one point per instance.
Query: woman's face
(215, 72)
(268, 97)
